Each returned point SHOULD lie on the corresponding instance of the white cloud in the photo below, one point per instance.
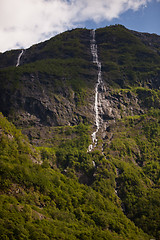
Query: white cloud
(25, 22)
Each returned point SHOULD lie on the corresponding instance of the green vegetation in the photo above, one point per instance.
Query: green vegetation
(58, 68)
(39, 202)
(135, 151)
(50, 186)
(127, 61)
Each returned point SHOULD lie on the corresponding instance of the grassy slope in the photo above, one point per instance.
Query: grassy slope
(131, 66)
(126, 60)
(38, 202)
(131, 145)
(134, 149)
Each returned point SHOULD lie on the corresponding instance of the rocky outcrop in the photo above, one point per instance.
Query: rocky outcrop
(115, 105)
(36, 104)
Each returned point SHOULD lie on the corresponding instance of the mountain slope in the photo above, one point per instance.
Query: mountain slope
(127, 59)
(53, 87)
(38, 202)
(51, 97)
(55, 81)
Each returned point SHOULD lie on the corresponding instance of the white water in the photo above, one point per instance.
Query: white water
(99, 81)
(19, 58)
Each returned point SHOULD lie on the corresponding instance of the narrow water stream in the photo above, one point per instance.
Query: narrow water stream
(19, 58)
(97, 106)
(94, 52)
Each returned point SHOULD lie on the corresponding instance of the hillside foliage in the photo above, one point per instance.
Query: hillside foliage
(51, 187)
(39, 202)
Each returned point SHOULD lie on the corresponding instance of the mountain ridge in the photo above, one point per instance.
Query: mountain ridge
(51, 96)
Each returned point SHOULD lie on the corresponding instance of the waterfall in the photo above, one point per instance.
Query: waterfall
(19, 58)
(94, 52)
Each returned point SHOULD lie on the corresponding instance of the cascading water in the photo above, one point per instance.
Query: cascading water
(19, 58)
(99, 81)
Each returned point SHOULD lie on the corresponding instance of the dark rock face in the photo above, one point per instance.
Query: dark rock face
(34, 105)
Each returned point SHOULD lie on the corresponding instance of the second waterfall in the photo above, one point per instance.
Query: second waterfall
(94, 52)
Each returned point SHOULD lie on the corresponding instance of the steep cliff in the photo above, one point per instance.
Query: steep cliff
(54, 84)
(49, 87)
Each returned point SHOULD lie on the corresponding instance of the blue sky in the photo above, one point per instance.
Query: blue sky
(146, 19)
(26, 22)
